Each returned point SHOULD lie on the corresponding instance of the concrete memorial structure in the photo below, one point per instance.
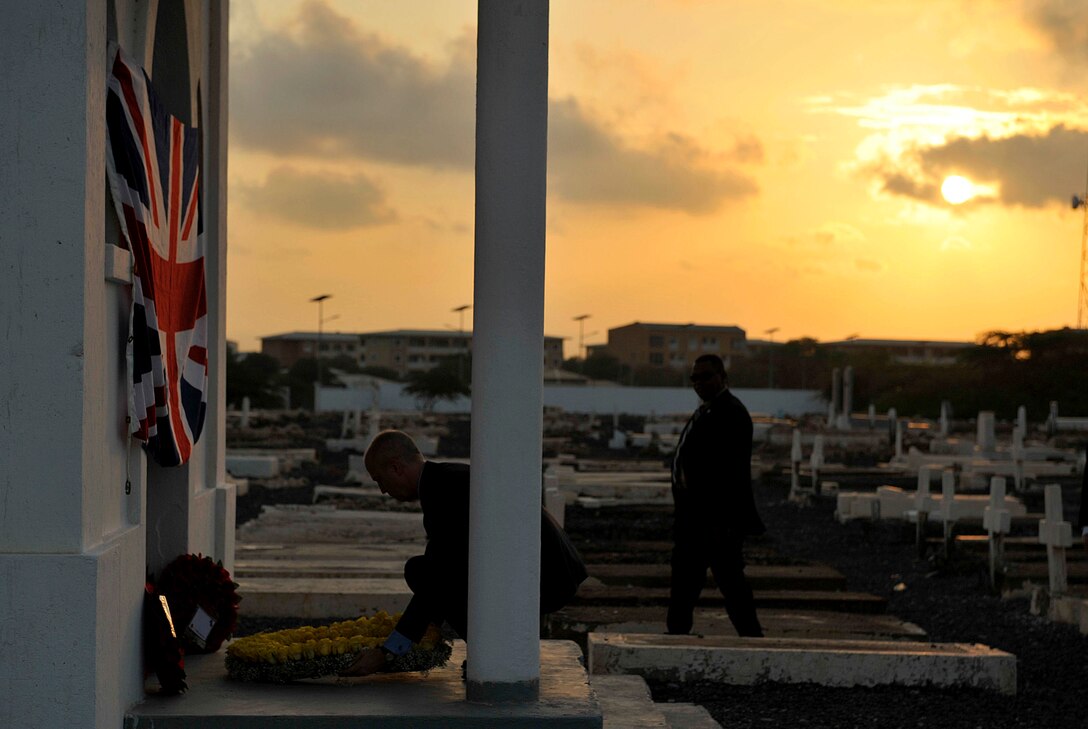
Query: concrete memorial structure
(84, 515)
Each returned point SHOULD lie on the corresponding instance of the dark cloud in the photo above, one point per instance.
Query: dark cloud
(590, 166)
(324, 201)
(1026, 170)
(329, 90)
(1064, 23)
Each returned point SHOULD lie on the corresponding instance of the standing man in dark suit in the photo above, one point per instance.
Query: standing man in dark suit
(715, 508)
(438, 578)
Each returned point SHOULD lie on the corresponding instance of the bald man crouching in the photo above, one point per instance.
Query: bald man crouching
(438, 578)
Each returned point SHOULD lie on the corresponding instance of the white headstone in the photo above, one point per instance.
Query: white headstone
(944, 420)
(245, 412)
(898, 439)
(997, 518)
(1022, 419)
(985, 440)
(795, 451)
(893, 418)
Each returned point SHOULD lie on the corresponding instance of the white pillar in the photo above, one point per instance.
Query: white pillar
(508, 349)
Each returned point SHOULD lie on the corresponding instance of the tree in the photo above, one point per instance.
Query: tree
(438, 383)
(256, 376)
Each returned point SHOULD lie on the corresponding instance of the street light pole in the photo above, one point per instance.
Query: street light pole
(320, 301)
(461, 330)
(581, 319)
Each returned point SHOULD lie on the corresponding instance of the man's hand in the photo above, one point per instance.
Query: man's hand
(370, 660)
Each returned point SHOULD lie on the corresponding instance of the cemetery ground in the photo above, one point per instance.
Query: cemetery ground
(949, 600)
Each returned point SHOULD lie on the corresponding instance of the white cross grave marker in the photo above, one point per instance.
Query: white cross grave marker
(997, 521)
(923, 504)
(1057, 535)
(948, 511)
(816, 462)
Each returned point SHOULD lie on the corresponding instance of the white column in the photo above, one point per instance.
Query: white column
(71, 545)
(508, 350)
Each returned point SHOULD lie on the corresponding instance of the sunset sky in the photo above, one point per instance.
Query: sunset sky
(763, 163)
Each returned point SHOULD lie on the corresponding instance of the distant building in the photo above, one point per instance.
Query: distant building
(400, 350)
(289, 348)
(674, 346)
(904, 351)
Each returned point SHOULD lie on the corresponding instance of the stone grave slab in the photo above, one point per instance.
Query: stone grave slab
(626, 702)
(319, 598)
(749, 661)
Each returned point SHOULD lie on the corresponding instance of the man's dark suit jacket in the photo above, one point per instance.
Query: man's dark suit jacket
(444, 496)
(716, 458)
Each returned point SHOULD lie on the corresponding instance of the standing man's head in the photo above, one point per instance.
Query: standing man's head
(708, 376)
(394, 461)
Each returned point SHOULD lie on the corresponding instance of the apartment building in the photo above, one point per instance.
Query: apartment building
(289, 348)
(676, 346)
(401, 350)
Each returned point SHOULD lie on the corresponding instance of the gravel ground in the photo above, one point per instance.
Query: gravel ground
(951, 603)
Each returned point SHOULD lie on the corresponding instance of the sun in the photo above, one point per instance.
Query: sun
(957, 190)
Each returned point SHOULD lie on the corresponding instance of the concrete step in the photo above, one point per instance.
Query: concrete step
(434, 700)
(687, 716)
(748, 661)
(574, 623)
(626, 703)
(315, 597)
(760, 576)
(840, 601)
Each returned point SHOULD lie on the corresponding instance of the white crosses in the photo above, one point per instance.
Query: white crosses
(996, 518)
(997, 521)
(816, 461)
(795, 465)
(948, 511)
(1057, 535)
(985, 441)
(1018, 457)
(923, 503)
(847, 397)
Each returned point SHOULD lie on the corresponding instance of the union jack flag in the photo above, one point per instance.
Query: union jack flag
(153, 160)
